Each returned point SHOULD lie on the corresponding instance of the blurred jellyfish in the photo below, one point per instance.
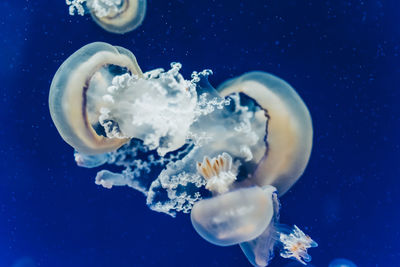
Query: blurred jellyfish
(117, 16)
(24, 262)
(297, 264)
(224, 156)
(341, 263)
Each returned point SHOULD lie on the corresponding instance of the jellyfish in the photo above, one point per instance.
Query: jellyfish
(223, 155)
(340, 262)
(116, 16)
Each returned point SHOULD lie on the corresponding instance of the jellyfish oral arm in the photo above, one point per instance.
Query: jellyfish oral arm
(219, 173)
(101, 8)
(157, 110)
(76, 6)
(104, 8)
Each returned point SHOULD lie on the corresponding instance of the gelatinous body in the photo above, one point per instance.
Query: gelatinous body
(222, 155)
(289, 128)
(260, 250)
(234, 217)
(295, 245)
(341, 263)
(117, 16)
(83, 73)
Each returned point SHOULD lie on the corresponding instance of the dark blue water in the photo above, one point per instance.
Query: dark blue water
(341, 56)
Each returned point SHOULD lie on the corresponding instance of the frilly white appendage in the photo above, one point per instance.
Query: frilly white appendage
(295, 245)
(219, 173)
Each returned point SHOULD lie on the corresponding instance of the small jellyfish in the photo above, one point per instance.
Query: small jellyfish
(24, 262)
(116, 16)
(224, 155)
(340, 262)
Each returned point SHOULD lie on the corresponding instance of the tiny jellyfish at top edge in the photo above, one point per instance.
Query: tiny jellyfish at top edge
(116, 16)
(223, 155)
(340, 262)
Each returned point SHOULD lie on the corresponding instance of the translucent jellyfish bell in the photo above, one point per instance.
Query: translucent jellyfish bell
(290, 131)
(85, 74)
(340, 262)
(234, 217)
(117, 16)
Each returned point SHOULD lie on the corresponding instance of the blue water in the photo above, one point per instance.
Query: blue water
(341, 56)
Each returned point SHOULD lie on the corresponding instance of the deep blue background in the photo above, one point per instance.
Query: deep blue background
(341, 56)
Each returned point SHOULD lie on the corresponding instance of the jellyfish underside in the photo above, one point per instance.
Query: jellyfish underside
(340, 262)
(116, 16)
(222, 155)
(234, 217)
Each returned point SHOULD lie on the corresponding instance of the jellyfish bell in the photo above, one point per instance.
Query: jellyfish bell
(83, 75)
(341, 262)
(127, 16)
(289, 132)
(116, 16)
(234, 217)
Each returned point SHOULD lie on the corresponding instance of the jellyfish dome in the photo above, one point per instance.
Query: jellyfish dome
(340, 262)
(223, 155)
(116, 16)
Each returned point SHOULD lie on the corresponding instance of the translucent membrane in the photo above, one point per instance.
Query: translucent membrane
(126, 17)
(234, 217)
(116, 16)
(69, 90)
(342, 263)
(260, 250)
(295, 245)
(289, 128)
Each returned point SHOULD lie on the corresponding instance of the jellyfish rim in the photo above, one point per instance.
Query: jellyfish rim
(69, 84)
(117, 23)
(263, 83)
